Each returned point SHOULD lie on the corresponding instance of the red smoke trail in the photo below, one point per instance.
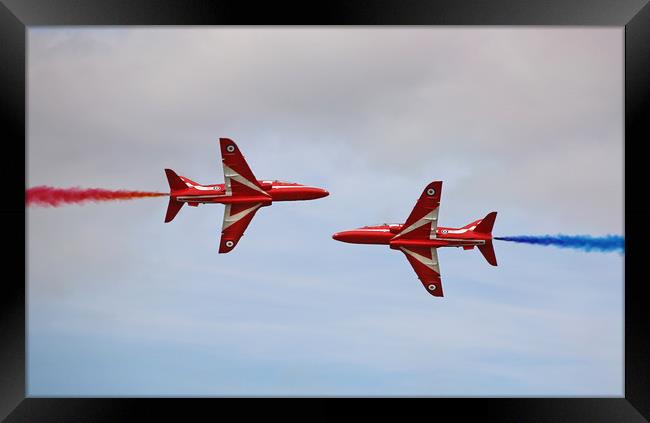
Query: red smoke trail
(53, 197)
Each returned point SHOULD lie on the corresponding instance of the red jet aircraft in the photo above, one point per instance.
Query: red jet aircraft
(242, 194)
(420, 237)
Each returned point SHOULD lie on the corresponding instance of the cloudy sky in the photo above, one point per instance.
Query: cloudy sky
(527, 122)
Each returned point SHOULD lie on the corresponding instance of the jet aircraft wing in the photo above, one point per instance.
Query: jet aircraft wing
(422, 223)
(236, 218)
(239, 179)
(424, 261)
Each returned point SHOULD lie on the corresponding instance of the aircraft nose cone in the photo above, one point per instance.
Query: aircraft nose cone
(345, 236)
(318, 193)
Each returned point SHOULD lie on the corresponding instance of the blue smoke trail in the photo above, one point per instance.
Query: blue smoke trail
(587, 243)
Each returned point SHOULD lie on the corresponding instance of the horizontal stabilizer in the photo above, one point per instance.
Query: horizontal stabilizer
(488, 252)
(172, 209)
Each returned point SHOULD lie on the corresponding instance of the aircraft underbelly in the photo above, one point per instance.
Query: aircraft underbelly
(435, 243)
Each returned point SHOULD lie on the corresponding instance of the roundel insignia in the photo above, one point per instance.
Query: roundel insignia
(229, 244)
(230, 148)
(431, 287)
(431, 192)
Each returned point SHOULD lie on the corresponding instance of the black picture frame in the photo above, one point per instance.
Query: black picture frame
(17, 15)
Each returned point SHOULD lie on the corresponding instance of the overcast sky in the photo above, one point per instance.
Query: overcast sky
(526, 122)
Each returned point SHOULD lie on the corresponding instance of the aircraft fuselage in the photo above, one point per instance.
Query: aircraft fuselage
(277, 190)
(384, 234)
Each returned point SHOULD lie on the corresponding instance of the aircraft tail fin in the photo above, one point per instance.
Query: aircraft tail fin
(484, 226)
(487, 223)
(175, 182)
(488, 252)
